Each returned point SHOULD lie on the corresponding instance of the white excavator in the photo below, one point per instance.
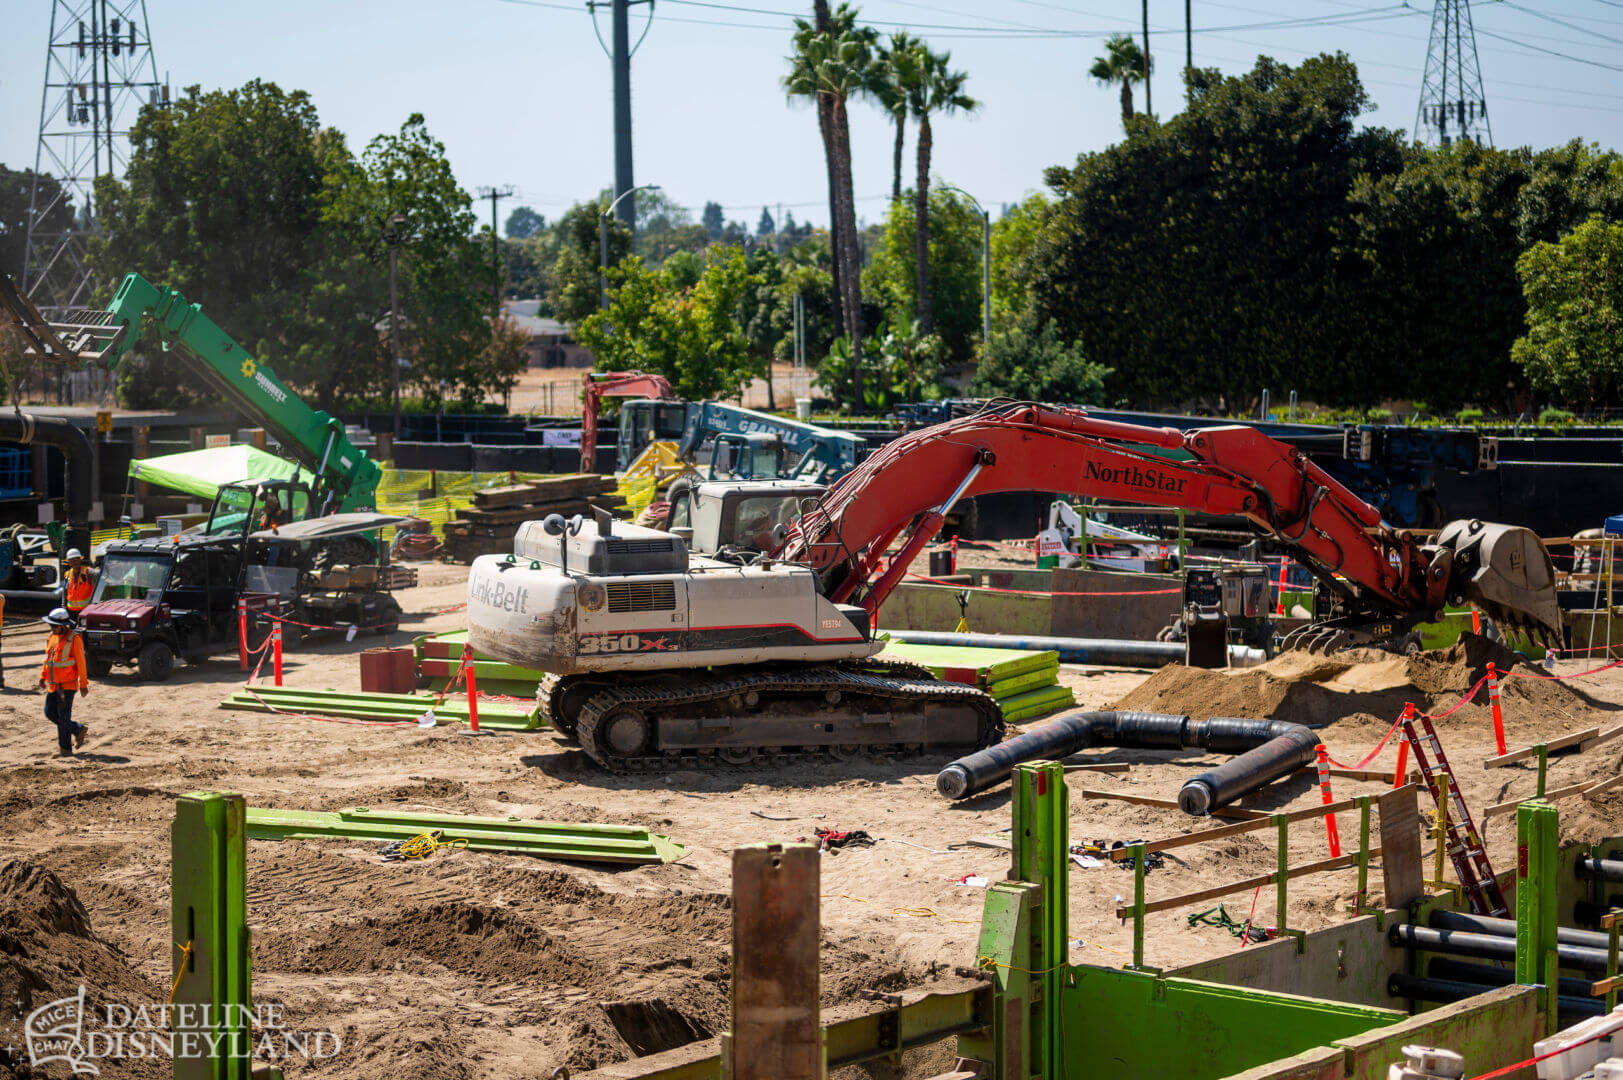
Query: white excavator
(746, 631)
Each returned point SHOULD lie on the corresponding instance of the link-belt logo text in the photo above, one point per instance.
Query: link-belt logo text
(493, 593)
(1147, 479)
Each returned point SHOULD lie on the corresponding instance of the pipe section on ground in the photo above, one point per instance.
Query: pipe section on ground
(1441, 967)
(26, 428)
(1488, 946)
(1443, 991)
(1268, 750)
(1487, 924)
(1109, 651)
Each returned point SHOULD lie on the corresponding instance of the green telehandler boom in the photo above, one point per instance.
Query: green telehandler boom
(143, 315)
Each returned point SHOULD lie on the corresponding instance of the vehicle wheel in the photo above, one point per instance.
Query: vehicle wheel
(626, 732)
(155, 662)
(98, 667)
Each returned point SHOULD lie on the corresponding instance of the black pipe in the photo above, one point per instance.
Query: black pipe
(1268, 749)
(26, 428)
(1605, 869)
(1487, 924)
(1443, 991)
(1441, 967)
(1488, 946)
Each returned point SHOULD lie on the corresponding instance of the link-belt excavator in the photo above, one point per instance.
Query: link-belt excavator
(763, 645)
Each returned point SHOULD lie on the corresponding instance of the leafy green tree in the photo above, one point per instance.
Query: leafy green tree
(1123, 65)
(912, 360)
(1014, 237)
(933, 88)
(713, 220)
(1574, 290)
(832, 61)
(765, 226)
(1038, 365)
(523, 223)
(1198, 257)
(16, 188)
(692, 336)
(573, 288)
(955, 270)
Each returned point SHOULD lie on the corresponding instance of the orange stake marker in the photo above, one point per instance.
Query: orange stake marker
(1493, 703)
(473, 689)
(1330, 830)
(1401, 774)
(276, 648)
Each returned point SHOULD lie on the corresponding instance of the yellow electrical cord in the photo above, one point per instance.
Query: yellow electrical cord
(185, 953)
(423, 845)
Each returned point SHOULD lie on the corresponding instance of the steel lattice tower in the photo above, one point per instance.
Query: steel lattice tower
(99, 71)
(1452, 103)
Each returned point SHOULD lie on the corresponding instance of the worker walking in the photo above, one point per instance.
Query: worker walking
(79, 585)
(62, 673)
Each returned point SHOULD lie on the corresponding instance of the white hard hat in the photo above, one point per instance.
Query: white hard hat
(59, 617)
(74, 553)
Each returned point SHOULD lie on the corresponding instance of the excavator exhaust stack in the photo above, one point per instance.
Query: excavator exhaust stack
(1506, 571)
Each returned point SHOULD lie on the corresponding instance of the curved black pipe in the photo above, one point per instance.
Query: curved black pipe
(1487, 946)
(63, 434)
(1268, 749)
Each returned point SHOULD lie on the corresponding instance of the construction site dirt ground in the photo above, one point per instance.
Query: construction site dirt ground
(491, 965)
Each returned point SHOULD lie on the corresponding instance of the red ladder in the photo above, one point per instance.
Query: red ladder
(1462, 841)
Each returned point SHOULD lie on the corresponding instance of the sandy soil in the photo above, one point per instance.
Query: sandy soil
(485, 965)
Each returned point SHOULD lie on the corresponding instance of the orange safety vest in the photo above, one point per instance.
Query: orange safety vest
(79, 588)
(64, 667)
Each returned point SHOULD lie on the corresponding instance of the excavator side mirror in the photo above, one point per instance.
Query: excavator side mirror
(554, 524)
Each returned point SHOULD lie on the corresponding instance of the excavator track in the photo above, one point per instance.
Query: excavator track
(775, 714)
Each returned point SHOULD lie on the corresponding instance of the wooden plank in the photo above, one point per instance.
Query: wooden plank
(1604, 737)
(776, 1032)
(1323, 865)
(1549, 796)
(1603, 785)
(512, 495)
(1605, 986)
(1351, 774)
(1170, 804)
(1224, 831)
(1551, 746)
(1402, 871)
(996, 843)
(1117, 767)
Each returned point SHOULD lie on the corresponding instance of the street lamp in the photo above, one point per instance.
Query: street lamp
(603, 244)
(393, 233)
(986, 262)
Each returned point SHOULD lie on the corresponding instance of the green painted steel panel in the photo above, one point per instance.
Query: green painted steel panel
(556, 840)
(990, 664)
(1019, 684)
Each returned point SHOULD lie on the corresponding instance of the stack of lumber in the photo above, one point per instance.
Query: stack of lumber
(487, 527)
(498, 715)
(439, 656)
(1024, 684)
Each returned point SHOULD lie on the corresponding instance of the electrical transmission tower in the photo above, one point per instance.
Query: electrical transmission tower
(99, 71)
(1452, 103)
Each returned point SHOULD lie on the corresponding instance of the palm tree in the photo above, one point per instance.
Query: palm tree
(833, 59)
(932, 89)
(1123, 62)
(889, 88)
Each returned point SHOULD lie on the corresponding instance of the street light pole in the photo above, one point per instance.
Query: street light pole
(391, 236)
(986, 262)
(603, 244)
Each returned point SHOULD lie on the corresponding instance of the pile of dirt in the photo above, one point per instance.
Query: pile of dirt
(48, 950)
(1305, 688)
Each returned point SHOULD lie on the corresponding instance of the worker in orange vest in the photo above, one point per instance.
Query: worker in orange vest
(79, 585)
(62, 673)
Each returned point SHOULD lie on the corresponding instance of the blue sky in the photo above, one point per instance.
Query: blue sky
(519, 89)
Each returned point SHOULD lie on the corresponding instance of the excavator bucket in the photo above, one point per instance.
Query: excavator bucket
(1506, 571)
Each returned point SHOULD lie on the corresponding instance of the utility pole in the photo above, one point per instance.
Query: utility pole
(495, 195)
(1148, 108)
(99, 71)
(394, 232)
(1188, 37)
(619, 51)
(1453, 104)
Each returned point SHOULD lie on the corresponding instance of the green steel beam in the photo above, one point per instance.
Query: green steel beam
(554, 840)
(1042, 856)
(209, 933)
(1004, 951)
(1537, 901)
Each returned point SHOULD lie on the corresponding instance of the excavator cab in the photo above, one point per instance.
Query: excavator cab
(644, 420)
(746, 517)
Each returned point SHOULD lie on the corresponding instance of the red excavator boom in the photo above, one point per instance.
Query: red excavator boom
(1236, 470)
(602, 384)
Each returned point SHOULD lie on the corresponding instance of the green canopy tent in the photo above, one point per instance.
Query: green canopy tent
(201, 472)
